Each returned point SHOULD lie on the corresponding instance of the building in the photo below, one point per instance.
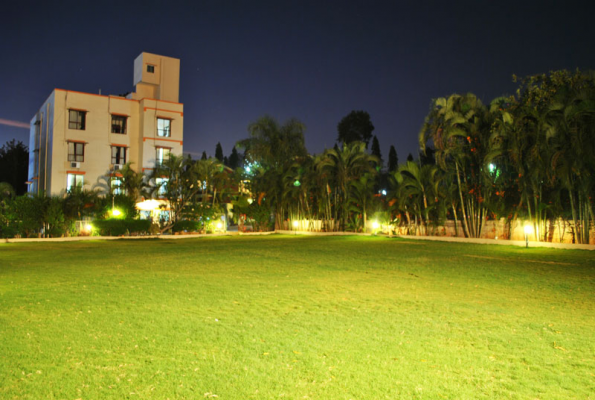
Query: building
(80, 138)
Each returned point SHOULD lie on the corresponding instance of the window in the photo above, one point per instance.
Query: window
(151, 69)
(163, 127)
(118, 155)
(119, 124)
(117, 185)
(162, 155)
(73, 181)
(76, 119)
(161, 183)
(76, 151)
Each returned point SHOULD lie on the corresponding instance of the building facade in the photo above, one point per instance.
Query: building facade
(83, 138)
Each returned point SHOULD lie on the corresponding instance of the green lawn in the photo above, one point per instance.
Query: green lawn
(295, 317)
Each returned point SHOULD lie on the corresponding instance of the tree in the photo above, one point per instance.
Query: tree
(355, 127)
(344, 166)
(234, 159)
(393, 160)
(376, 150)
(410, 157)
(421, 184)
(204, 156)
(175, 181)
(459, 127)
(14, 164)
(272, 144)
(219, 152)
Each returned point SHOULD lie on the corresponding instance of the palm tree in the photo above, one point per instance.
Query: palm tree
(173, 181)
(459, 128)
(270, 150)
(571, 119)
(419, 182)
(345, 165)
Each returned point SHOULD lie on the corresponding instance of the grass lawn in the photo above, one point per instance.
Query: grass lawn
(295, 317)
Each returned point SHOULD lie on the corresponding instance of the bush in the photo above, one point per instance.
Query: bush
(186, 225)
(119, 227)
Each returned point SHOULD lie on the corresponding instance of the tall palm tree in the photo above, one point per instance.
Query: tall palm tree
(345, 165)
(459, 128)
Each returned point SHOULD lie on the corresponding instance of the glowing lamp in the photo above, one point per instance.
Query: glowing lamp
(295, 224)
(528, 231)
(88, 227)
(375, 225)
(116, 212)
(219, 225)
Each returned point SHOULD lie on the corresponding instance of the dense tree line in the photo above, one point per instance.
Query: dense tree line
(527, 156)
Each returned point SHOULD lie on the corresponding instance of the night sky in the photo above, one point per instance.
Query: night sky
(315, 61)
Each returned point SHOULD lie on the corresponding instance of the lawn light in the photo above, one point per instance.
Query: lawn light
(219, 225)
(375, 226)
(295, 224)
(528, 231)
(116, 212)
(89, 227)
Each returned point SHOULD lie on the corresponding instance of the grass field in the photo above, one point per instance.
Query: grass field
(295, 317)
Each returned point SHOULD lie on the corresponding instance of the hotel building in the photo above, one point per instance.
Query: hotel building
(79, 138)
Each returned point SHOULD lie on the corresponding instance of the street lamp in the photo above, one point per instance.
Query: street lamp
(528, 231)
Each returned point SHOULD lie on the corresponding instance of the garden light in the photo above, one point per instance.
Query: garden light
(528, 231)
(295, 224)
(219, 225)
(88, 227)
(116, 212)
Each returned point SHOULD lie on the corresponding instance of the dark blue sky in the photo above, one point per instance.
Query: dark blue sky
(313, 60)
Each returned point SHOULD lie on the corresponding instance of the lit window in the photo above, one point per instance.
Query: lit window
(162, 155)
(117, 185)
(161, 184)
(76, 151)
(118, 155)
(151, 69)
(73, 181)
(76, 119)
(118, 124)
(163, 127)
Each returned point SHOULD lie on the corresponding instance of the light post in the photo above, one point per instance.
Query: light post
(295, 225)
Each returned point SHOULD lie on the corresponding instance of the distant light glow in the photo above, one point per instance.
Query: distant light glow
(148, 205)
(375, 225)
(296, 183)
(295, 224)
(383, 192)
(528, 229)
(89, 227)
(492, 167)
(219, 225)
(116, 212)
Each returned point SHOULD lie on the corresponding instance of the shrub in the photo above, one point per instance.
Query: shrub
(119, 227)
(186, 225)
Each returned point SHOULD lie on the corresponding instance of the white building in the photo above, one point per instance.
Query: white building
(80, 137)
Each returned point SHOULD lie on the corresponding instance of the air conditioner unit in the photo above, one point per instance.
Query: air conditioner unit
(118, 167)
(75, 165)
